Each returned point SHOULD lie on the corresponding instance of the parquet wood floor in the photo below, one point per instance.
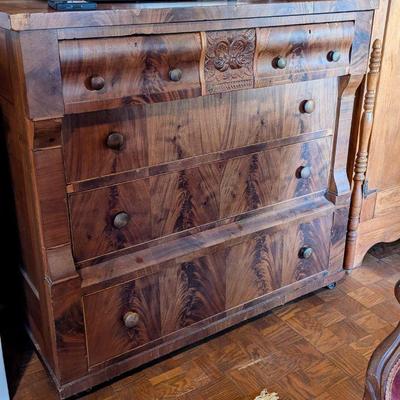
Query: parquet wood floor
(317, 348)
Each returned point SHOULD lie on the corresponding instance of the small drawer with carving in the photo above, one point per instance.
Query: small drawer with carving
(112, 72)
(160, 307)
(299, 52)
(112, 218)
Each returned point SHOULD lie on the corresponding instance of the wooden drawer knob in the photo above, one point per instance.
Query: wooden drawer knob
(96, 83)
(280, 62)
(308, 106)
(175, 74)
(115, 141)
(306, 252)
(334, 56)
(304, 172)
(121, 220)
(131, 319)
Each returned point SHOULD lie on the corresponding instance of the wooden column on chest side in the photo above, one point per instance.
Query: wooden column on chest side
(38, 169)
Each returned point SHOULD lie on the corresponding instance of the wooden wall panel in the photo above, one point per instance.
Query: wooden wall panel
(384, 170)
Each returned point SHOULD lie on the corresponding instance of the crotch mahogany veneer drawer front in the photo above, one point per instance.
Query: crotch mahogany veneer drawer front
(112, 72)
(133, 138)
(112, 218)
(116, 71)
(300, 51)
(127, 316)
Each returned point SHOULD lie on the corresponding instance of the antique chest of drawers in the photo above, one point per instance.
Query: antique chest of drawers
(177, 169)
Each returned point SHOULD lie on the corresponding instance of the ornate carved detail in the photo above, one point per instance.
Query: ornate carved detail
(361, 162)
(229, 60)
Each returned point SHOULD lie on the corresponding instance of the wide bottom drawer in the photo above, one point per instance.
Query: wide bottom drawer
(126, 316)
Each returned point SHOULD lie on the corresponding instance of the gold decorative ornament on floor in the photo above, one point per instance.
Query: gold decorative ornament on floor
(264, 395)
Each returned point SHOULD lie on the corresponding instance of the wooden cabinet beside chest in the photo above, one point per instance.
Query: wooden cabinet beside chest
(176, 170)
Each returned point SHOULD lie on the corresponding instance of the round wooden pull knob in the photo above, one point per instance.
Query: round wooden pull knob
(115, 141)
(334, 56)
(96, 83)
(131, 319)
(304, 172)
(175, 74)
(308, 106)
(280, 62)
(306, 252)
(121, 220)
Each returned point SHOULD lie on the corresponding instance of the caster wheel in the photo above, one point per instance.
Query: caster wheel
(331, 286)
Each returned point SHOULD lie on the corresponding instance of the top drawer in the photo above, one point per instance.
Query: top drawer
(113, 71)
(291, 53)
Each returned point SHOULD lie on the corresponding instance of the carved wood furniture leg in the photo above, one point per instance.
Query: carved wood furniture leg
(362, 154)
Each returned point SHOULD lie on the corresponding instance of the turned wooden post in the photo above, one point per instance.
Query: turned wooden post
(361, 162)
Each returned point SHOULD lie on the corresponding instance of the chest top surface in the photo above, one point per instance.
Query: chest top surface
(35, 14)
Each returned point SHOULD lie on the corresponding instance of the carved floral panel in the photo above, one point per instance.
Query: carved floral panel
(229, 60)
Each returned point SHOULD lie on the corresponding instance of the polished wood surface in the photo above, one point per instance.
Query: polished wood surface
(316, 347)
(233, 121)
(140, 68)
(377, 205)
(184, 293)
(361, 161)
(174, 202)
(13, 14)
(203, 63)
(174, 179)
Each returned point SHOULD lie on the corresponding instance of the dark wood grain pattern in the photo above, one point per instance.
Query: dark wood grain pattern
(203, 63)
(138, 70)
(270, 351)
(104, 313)
(93, 213)
(232, 120)
(177, 170)
(314, 234)
(185, 289)
(185, 199)
(306, 50)
(184, 293)
(175, 202)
